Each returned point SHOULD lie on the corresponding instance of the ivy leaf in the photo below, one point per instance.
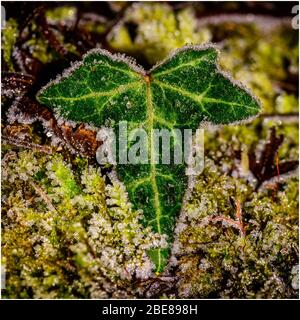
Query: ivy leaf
(181, 92)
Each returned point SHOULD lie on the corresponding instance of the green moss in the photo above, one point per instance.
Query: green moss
(158, 31)
(40, 50)
(59, 234)
(62, 15)
(259, 58)
(217, 259)
(63, 175)
(9, 36)
(286, 103)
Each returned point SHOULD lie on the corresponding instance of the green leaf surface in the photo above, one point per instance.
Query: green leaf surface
(182, 92)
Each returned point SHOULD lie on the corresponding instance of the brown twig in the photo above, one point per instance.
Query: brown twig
(237, 223)
(25, 144)
(292, 117)
(43, 195)
(153, 287)
(263, 168)
(80, 139)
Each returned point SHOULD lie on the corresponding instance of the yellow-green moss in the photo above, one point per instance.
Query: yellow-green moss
(9, 36)
(158, 31)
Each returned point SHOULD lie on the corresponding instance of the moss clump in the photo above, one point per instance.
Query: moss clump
(63, 15)
(69, 235)
(9, 37)
(235, 243)
(152, 30)
(260, 58)
(40, 50)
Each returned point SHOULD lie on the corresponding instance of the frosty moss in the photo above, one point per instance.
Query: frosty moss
(63, 231)
(245, 252)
